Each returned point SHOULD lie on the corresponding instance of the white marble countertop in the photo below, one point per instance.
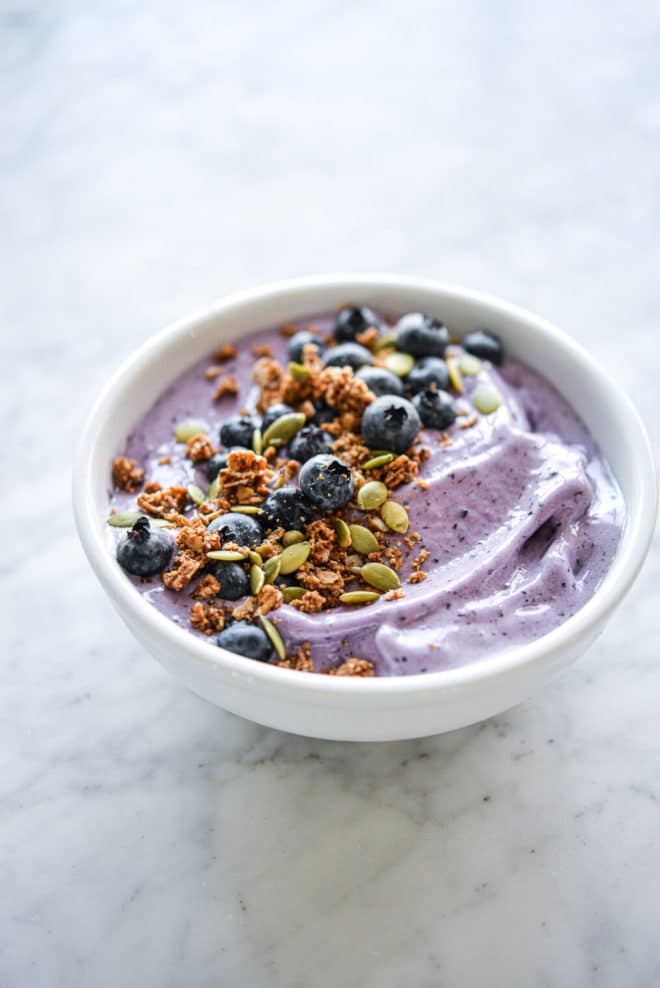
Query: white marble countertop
(153, 157)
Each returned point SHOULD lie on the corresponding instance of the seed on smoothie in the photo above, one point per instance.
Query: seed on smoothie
(486, 399)
(399, 363)
(371, 495)
(272, 568)
(255, 557)
(283, 429)
(274, 635)
(395, 516)
(293, 593)
(257, 579)
(455, 375)
(298, 372)
(124, 519)
(380, 576)
(343, 533)
(227, 555)
(359, 597)
(386, 342)
(196, 494)
(184, 431)
(292, 536)
(214, 489)
(469, 365)
(363, 540)
(257, 442)
(294, 556)
(247, 509)
(378, 461)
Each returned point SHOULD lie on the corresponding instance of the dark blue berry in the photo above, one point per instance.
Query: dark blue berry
(428, 372)
(390, 423)
(246, 639)
(233, 579)
(244, 530)
(275, 412)
(301, 339)
(354, 320)
(486, 345)
(380, 381)
(421, 335)
(287, 507)
(327, 482)
(323, 414)
(145, 551)
(238, 431)
(436, 408)
(347, 355)
(309, 442)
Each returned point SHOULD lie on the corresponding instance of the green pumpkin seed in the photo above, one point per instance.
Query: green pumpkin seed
(378, 461)
(227, 555)
(161, 523)
(293, 593)
(254, 557)
(299, 372)
(257, 442)
(469, 365)
(291, 537)
(274, 635)
(257, 578)
(294, 556)
(371, 495)
(395, 516)
(214, 488)
(486, 399)
(271, 568)
(454, 375)
(379, 576)
(359, 597)
(184, 431)
(283, 429)
(400, 364)
(385, 342)
(247, 509)
(124, 519)
(196, 494)
(343, 533)
(363, 540)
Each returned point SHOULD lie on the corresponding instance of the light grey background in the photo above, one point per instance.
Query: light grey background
(152, 158)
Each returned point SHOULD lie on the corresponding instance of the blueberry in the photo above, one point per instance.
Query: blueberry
(327, 482)
(309, 442)
(275, 412)
(421, 335)
(300, 340)
(428, 372)
(233, 579)
(246, 639)
(380, 381)
(485, 345)
(436, 408)
(244, 530)
(287, 507)
(347, 355)
(353, 320)
(323, 414)
(145, 551)
(237, 431)
(390, 423)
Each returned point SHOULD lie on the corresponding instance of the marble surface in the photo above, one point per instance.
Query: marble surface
(155, 156)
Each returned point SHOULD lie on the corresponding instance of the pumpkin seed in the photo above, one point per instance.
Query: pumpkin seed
(486, 399)
(378, 461)
(254, 557)
(343, 533)
(371, 495)
(469, 365)
(247, 509)
(293, 593)
(298, 372)
(271, 568)
(283, 429)
(294, 556)
(363, 540)
(214, 488)
(395, 516)
(274, 635)
(257, 442)
(257, 578)
(196, 494)
(292, 536)
(124, 519)
(160, 523)
(385, 342)
(359, 597)
(399, 363)
(184, 431)
(454, 375)
(380, 576)
(227, 555)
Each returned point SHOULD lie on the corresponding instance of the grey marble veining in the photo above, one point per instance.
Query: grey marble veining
(153, 157)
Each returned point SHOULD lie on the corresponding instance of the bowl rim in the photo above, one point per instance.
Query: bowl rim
(632, 550)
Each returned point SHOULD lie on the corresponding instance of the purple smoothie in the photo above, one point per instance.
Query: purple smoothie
(522, 518)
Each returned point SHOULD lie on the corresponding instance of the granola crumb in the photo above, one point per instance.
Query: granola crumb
(424, 484)
(199, 448)
(212, 372)
(311, 603)
(126, 475)
(468, 422)
(207, 618)
(164, 460)
(246, 477)
(301, 661)
(226, 352)
(353, 667)
(246, 610)
(262, 350)
(158, 503)
(269, 599)
(398, 594)
(368, 338)
(416, 577)
(227, 388)
(207, 588)
(403, 470)
(288, 329)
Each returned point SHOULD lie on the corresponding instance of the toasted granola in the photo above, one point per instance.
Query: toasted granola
(353, 667)
(199, 448)
(159, 503)
(126, 475)
(301, 661)
(245, 479)
(224, 353)
(207, 618)
(227, 388)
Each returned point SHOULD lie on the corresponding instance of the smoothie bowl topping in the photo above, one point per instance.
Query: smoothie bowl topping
(364, 495)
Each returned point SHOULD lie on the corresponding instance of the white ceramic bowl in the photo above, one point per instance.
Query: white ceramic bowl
(391, 707)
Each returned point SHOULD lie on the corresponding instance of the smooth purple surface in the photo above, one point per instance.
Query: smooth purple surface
(544, 517)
